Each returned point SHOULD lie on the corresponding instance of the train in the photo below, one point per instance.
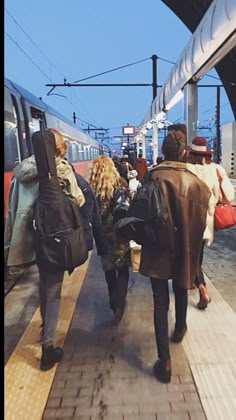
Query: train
(24, 114)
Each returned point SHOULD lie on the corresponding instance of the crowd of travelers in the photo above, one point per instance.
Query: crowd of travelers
(188, 180)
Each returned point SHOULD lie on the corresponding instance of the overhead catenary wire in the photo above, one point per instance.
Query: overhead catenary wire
(89, 77)
(31, 40)
(38, 67)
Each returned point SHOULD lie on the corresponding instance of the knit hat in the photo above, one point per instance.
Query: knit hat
(199, 146)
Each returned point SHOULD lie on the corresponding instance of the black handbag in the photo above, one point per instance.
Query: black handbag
(58, 229)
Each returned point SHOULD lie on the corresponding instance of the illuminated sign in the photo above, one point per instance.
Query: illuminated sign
(128, 130)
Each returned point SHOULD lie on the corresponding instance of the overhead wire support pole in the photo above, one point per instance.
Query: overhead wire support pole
(154, 76)
(218, 137)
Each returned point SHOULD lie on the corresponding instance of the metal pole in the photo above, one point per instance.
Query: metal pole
(154, 94)
(218, 137)
(154, 76)
(155, 141)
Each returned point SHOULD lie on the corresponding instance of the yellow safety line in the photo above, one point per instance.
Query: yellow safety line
(26, 387)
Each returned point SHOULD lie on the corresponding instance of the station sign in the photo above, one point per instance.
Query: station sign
(128, 130)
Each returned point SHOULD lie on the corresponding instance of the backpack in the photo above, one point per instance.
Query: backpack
(148, 221)
(58, 229)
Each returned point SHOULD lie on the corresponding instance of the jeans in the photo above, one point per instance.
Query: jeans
(117, 282)
(50, 284)
(161, 301)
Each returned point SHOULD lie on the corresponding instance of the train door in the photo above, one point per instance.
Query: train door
(12, 133)
(15, 146)
(35, 120)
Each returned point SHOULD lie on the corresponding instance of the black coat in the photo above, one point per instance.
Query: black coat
(91, 216)
(117, 251)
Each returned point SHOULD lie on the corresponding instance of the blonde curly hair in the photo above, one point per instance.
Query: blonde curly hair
(104, 177)
(61, 146)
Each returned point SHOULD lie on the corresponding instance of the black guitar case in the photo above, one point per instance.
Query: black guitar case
(59, 235)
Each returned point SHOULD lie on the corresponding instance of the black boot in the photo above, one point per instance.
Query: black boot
(162, 371)
(178, 335)
(50, 356)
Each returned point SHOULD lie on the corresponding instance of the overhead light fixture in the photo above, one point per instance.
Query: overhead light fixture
(158, 117)
(149, 125)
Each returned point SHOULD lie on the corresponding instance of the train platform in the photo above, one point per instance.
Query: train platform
(106, 372)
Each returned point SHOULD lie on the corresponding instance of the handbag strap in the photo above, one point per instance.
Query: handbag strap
(224, 199)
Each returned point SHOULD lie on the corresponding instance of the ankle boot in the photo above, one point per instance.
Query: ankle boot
(178, 335)
(162, 370)
(50, 356)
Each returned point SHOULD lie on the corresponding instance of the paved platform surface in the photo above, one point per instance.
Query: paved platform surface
(107, 371)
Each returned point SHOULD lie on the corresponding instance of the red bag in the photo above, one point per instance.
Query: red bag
(224, 216)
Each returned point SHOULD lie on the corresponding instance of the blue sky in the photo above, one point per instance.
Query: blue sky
(48, 40)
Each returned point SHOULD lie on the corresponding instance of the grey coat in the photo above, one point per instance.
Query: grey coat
(23, 193)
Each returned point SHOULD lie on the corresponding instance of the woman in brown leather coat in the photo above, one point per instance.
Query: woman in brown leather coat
(186, 198)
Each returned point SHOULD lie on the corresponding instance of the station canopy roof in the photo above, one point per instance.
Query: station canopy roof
(191, 13)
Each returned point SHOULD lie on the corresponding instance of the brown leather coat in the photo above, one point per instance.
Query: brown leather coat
(187, 202)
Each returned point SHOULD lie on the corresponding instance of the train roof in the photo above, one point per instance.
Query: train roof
(34, 100)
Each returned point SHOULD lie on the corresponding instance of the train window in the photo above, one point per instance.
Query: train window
(69, 152)
(38, 119)
(66, 155)
(12, 153)
(82, 152)
(85, 152)
(74, 152)
(89, 153)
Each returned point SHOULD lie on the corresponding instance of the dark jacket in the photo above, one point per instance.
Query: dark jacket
(91, 216)
(117, 252)
(141, 167)
(187, 199)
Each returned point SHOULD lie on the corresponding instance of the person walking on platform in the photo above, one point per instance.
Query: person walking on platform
(200, 163)
(186, 200)
(113, 200)
(91, 216)
(122, 169)
(19, 243)
(125, 168)
(141, 167)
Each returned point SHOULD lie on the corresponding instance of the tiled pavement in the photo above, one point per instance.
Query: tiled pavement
(107, 371)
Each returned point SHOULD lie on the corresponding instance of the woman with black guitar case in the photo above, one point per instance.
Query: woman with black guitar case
(59, 240)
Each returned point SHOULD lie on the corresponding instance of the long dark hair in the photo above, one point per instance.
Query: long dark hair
(173, 147)
(195, 158)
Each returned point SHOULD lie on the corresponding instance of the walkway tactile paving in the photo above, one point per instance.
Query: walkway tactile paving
(210, 348)
(26, 387)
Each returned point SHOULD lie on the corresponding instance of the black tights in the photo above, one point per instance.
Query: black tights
(117, 282)
(161, 301)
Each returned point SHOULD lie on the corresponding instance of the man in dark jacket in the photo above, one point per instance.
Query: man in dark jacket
(186, 198)
(141, 166)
